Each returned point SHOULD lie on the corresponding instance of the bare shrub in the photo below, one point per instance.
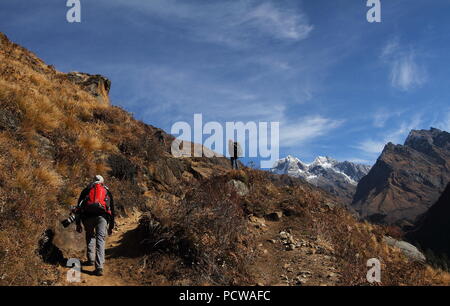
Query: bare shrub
(208, 231)
(122, 168)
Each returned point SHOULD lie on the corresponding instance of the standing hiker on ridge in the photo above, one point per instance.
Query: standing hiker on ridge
(235, 150)
(96, 211)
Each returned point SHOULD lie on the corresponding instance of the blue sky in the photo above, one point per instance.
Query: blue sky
(338, 85)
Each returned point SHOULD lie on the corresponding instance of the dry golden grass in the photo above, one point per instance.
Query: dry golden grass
(32, 180)
(90, 143)
(48, 177)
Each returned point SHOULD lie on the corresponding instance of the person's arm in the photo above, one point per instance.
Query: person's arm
(82, 197)
(113, 213)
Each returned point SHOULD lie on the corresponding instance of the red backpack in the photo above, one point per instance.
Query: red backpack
(96, 201)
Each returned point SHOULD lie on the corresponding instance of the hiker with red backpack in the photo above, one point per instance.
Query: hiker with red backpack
(96, 211)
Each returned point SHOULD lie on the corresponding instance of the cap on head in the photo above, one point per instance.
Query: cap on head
(99, 179)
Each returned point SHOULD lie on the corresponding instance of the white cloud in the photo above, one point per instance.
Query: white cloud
(306, 129)
(374, 146)
(282, 24)
(371, 146)
(390, 48)
(380, 118)
(232, 23)
(159, 90)
(405, 73)
(444, 122)
(383, 115)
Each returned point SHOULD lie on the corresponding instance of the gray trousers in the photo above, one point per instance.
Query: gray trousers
(96, 231)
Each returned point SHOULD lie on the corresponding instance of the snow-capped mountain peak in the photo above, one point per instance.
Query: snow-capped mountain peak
(323, 172)
(324, 161)
(289, 165)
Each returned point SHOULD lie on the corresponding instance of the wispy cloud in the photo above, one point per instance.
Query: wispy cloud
(306, 129)
(383, 115)
(444, 122)
(232, 23)
(283, 24)
(405, 73)
(380, 118)
(157, 90)
(372, 147)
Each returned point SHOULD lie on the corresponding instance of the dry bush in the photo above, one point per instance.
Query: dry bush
(89, 143)
(30, 198)
(142, 146)
(112, 115)
(122, 168)
(267, 195)
(208, 231)
(48, 177)
(239, 175)
(354, 243)
(39, 112)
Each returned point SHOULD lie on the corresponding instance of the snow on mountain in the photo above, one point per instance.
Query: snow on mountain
(339, 178)
(293, 166)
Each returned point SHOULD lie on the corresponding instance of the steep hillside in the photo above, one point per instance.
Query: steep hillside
(406, 179)
(56, 131)
(337, 178)
(183, 221)
(431, 230)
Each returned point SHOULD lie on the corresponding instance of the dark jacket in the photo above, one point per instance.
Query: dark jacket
(110, 201)
(235, 150)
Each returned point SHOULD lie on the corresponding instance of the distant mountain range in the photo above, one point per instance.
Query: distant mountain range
(338, 178)
(406, 179)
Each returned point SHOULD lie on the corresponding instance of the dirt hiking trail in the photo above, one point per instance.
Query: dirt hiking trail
(121, 254)
(311, 263)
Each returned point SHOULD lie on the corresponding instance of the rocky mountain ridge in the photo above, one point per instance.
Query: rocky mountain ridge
(406, 179)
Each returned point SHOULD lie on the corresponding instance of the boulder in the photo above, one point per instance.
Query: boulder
(330, 205)
(407, 249)
(68, 241)
(9, 120)
(258, 222)
(240, 187)
(284, 235)
(45, 146)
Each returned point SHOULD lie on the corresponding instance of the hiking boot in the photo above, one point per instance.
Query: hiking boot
(87, 263)
(98, 272)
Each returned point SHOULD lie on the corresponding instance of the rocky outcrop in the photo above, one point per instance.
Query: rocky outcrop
(406, 248)
(406, 179)
(430, 232)
(9, 119)
(97, 85)
(240, 188)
